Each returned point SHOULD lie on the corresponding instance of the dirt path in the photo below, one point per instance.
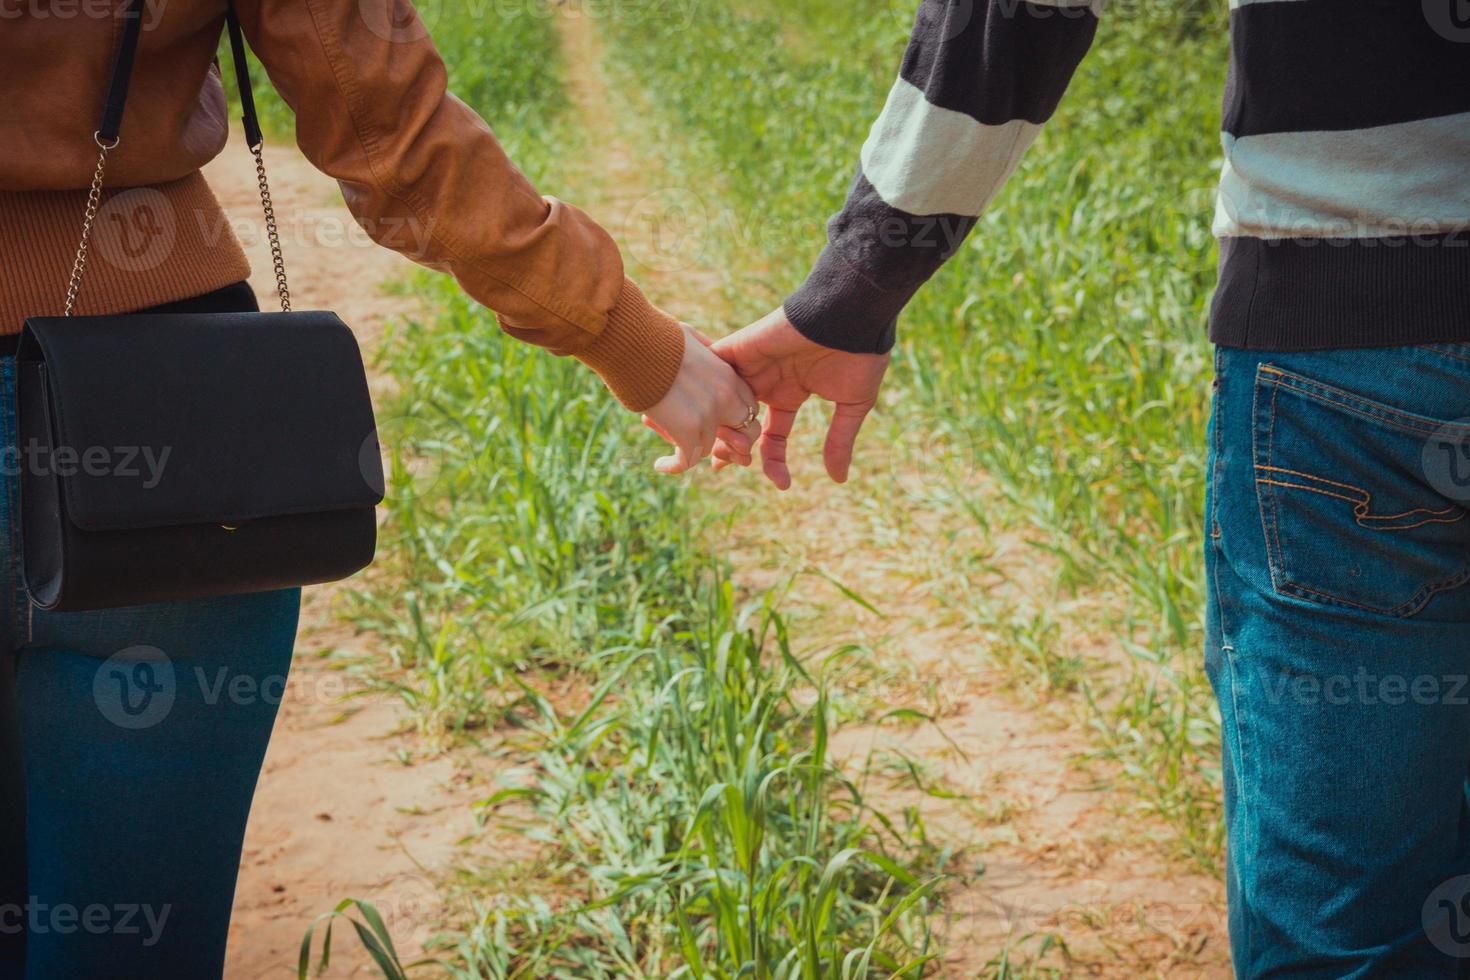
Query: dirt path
(1045, 845)
(348, 804)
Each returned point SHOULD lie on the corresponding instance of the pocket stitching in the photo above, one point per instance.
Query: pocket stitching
(1270, 525)
(1263, 498)
(1347, 401)
(1363, 503)
(1447, 350)
(1407, 608)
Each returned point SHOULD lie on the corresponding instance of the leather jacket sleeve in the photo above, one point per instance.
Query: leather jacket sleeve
(425, 176)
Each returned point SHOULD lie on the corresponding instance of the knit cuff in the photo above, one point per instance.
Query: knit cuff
(639, 351)
(838, 307)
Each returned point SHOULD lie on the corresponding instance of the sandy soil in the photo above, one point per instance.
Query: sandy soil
(349, 803)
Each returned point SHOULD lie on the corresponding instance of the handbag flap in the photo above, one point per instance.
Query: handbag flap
(168, 419)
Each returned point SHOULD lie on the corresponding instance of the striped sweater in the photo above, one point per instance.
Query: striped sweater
(1344, 206)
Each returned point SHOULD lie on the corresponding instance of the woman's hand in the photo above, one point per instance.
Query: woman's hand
(708, 402)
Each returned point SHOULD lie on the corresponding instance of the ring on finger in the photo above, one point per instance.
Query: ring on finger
(751, 414)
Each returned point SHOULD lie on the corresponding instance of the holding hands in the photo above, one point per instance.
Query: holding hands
(711, 408)
(709, 404)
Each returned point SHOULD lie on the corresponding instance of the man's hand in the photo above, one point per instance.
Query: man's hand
(785, 369)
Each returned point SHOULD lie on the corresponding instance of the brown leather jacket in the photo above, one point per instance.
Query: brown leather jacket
(420, 171)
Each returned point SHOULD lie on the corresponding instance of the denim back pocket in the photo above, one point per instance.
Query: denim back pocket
(1350, 516)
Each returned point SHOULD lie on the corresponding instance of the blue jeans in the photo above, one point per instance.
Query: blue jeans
(130, 744)
(1338, 644)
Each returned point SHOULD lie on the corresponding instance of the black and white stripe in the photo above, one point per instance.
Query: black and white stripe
(1346, 123)
(978, 81)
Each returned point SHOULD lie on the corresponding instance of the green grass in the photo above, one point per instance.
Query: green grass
(541, 590)
(1062, 354)
(692, 822)
(509, 85)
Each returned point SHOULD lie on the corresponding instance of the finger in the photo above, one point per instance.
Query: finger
(847, 421)
(773, 446)
(698, 336)
(684, 457)
(720, 464)
(739, 402)
(726, 453)
(648, 421)
(740, 438)
(708, 436)
(746, 394)
(686, 454)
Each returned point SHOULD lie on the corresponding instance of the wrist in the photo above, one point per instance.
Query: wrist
(839, 308)
(639, 352)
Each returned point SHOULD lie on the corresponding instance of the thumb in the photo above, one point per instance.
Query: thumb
(847, 421)
(697, 335)
(728, 345)
(686, 455)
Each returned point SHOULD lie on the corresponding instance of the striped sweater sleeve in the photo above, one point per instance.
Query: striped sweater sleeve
(978, 81)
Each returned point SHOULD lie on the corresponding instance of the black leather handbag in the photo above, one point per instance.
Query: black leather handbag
(178, 456)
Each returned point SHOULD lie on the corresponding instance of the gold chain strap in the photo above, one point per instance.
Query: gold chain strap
(272, 234)
(94, 200)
